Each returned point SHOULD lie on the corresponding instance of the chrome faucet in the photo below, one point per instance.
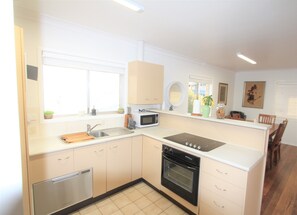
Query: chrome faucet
(89, 128)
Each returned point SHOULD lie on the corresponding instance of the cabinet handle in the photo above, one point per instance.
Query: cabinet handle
(216, 204)
(223, 173)
(218, 188)
(59, 159)
(101, 150)
(114, 147)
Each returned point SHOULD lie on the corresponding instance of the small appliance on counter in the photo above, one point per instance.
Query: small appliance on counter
(144, 118)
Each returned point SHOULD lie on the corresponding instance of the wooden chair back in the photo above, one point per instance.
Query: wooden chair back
(266, 119)
(279, 134)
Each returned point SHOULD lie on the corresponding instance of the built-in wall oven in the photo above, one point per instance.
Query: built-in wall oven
(180, 173)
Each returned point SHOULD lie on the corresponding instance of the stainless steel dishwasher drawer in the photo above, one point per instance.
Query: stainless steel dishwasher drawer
(61, 192)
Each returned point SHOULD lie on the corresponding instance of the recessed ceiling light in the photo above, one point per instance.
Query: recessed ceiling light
(131, 5)
(246, 58)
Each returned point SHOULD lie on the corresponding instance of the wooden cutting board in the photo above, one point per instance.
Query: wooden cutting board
(76, 137)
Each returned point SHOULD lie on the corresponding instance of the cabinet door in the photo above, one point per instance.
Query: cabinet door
(118, 163)
(136, 157)
(151, 162)
(93, 157)
(145, 83)
(51, 165)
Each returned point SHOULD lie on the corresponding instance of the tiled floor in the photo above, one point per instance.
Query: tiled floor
(138, 199)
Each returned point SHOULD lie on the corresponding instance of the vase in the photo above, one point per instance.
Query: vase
(205, 111)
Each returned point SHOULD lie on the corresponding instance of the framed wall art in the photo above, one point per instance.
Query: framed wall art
(253, 94)
(223, 93)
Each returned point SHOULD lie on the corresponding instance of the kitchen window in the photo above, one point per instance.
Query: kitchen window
(198, 88)
(75, 86)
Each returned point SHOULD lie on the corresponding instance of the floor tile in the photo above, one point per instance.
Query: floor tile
(139, 185)
(116, 196)
(108, 209)
(154, 196)
(134, 195)
(122, 201)
(152, 209)
(143, 202)
(130, 209)
(145, 190)
(103, 202)
(128, 190)
(174, 210)
(163, 203)
(139, 199)
(88, 209)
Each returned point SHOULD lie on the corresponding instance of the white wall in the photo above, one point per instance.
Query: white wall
(271, 77)
(51, 34)
(10, 153)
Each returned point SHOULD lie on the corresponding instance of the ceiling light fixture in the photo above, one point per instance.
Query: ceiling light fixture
(131, 5)
(246, 58)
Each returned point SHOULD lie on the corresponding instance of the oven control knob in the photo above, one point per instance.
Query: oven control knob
(194, 146)
(165, 148)
(187, 143)
(190, 144)
(199, 147)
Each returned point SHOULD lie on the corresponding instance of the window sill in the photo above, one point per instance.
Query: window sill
(81, 118)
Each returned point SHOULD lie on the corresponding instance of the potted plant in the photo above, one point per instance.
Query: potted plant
(207, 102)
(48, 114)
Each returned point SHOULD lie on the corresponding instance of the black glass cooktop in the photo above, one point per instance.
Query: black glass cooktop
(195, 142)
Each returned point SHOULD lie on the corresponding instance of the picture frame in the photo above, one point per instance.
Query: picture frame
(223, 93)
(253, 94)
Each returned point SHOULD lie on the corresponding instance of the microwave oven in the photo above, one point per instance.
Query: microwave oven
(146, 119)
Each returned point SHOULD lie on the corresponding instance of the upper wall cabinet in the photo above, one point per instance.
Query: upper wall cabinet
(145, 83)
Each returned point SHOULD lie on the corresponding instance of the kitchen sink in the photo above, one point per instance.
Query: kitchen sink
(111, 132)
(98, 133)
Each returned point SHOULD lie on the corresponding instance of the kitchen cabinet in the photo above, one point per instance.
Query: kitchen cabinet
(118, 163)
(136, 157)
(222, 188)
(152, 161)
(145, 83)
(43, 167)
(93, 157)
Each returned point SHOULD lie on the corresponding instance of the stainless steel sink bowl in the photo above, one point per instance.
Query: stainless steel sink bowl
(110, 132)
(98, 133)
(117, 131)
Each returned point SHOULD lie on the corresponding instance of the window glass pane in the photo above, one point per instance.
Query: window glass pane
(65, 90)
(104, 91)
(196, 91)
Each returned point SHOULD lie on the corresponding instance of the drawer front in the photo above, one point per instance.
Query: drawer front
(51, 165)
(226, 172)
(205, 209)
(219, 204)
(222, 188)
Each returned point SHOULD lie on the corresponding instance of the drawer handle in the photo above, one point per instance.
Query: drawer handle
(217, 205)
(223, 173)
(114, 147)
(101, 150)
(220, 189)
(157, 147)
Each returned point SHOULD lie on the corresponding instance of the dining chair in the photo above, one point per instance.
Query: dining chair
(266, 119)
(275, 144)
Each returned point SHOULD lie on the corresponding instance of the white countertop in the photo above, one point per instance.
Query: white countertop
(237, 156)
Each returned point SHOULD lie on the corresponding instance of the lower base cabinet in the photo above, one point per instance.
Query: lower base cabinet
(93, 157)
(118, 163)
(152, 161)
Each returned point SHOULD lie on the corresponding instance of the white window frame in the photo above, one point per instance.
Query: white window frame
(55, 58)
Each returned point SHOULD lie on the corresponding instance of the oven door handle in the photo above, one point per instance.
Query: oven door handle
(180, 164)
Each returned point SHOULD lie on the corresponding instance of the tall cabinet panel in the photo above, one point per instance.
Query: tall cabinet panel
(21, 80)
(145, 83)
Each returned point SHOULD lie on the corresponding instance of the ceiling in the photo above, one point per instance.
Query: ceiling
(210, 31)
